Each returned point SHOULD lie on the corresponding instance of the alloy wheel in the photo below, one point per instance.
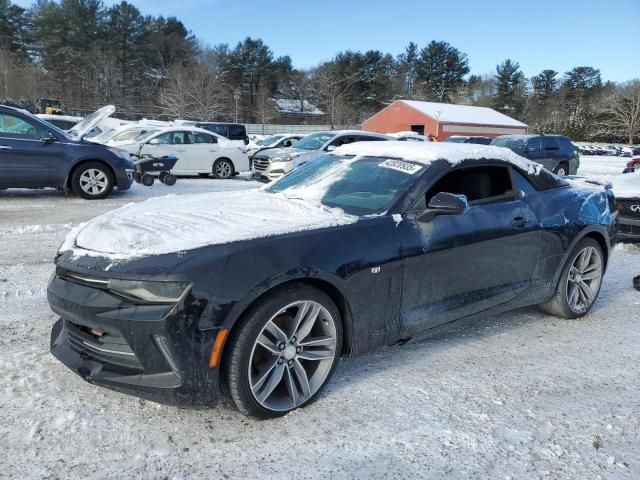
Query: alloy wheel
(93, 181)
(583, 281)
(561, 171)
(223, 169)
(292, 356)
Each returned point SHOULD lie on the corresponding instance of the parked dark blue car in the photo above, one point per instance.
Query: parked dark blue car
(36, 154)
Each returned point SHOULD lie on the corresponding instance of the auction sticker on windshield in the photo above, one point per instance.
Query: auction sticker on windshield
(401, 166)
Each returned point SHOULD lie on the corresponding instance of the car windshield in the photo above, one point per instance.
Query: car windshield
(270, 140)
(315, 141)
(357, 185)
(517, 144)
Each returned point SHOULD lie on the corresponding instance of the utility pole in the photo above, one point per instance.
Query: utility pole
(236, 97)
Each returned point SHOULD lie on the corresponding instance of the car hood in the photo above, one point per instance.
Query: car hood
(626, 185)
(282, 152)
(89, 122)
(174, 224)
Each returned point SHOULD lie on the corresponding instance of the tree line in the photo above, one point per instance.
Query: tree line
(86, 55)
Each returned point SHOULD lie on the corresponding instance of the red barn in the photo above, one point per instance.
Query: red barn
(442, 120)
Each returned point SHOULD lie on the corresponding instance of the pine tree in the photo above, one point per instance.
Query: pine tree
(510, 89)
(441, 69)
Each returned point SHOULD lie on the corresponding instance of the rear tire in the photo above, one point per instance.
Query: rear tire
(561, 169)
(579, 283)
(92, 181)
(223, 169)
(283, 352)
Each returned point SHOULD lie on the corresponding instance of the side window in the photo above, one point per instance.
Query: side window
(237, 132)
(198, 137)
(12, 126)
(288, 142)
(181, 138)
(164, 139)
(344, 140)
(479, 184)
(533, 145)
(549, 144)
(365, 138)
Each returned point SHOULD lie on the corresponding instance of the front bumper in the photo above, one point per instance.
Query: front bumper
(265, 168)
(124, 179)
(156, 352)
(628, 229)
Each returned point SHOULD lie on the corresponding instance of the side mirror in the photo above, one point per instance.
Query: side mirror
(48, 138)
(331, 148)
(153, 141)
(448, 203)
(246, 140)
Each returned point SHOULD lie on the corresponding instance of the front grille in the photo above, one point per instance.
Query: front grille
(108, 348)
(260, 164)
(629, 229)
(626, 207)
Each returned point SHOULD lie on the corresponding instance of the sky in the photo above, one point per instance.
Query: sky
(558, 34)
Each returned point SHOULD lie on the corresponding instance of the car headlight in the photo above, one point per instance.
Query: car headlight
(286, 158)
(149, 292)
(119, 152)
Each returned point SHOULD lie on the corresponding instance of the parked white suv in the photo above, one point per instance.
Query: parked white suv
(198, 151)
(274, 163)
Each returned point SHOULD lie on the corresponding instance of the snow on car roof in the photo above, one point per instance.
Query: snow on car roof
(467, 114)
(428, 152)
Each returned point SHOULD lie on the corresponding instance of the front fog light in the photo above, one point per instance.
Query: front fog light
(149, 292)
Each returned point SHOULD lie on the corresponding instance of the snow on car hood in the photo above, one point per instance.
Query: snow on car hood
(178, 223)
(281, 152)
(626, 185)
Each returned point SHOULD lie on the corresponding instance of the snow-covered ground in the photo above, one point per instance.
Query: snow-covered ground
(520, 395)
(602, 167)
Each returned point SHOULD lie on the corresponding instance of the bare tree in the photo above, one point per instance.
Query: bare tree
(332, 90)
(620, 112)
(265, 108)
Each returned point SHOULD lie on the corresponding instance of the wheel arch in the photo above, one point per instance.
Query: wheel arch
(594, 232)
(234, 319)
(67, 180)
(233, 165)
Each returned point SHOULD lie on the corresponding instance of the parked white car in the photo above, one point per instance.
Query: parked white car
(283, 140)
(274, 163)
(124, 134)
(198, 151)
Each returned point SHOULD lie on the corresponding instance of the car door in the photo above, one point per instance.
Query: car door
(459, 265)
(550, 153)
(162, 145)
(30, 155)
(202, 150)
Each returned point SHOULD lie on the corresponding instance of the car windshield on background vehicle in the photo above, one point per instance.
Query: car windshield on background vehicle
(517, 144)
(359, 186)
(128, 135)
(270, 140)
(314, 141)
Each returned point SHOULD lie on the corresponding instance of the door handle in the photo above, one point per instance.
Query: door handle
(520, 222)
(5, 147)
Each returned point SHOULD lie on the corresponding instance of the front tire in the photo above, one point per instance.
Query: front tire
(223, 169)
(580, 281)
(92, 181)
(284, 353)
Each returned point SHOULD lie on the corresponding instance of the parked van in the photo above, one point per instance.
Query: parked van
(555, 152)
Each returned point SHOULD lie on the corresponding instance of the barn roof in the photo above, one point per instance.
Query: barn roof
(467, 114)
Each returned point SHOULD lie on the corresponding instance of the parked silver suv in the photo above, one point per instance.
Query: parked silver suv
(274, 163)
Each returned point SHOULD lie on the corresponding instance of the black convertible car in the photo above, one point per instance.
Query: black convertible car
(261, 291)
